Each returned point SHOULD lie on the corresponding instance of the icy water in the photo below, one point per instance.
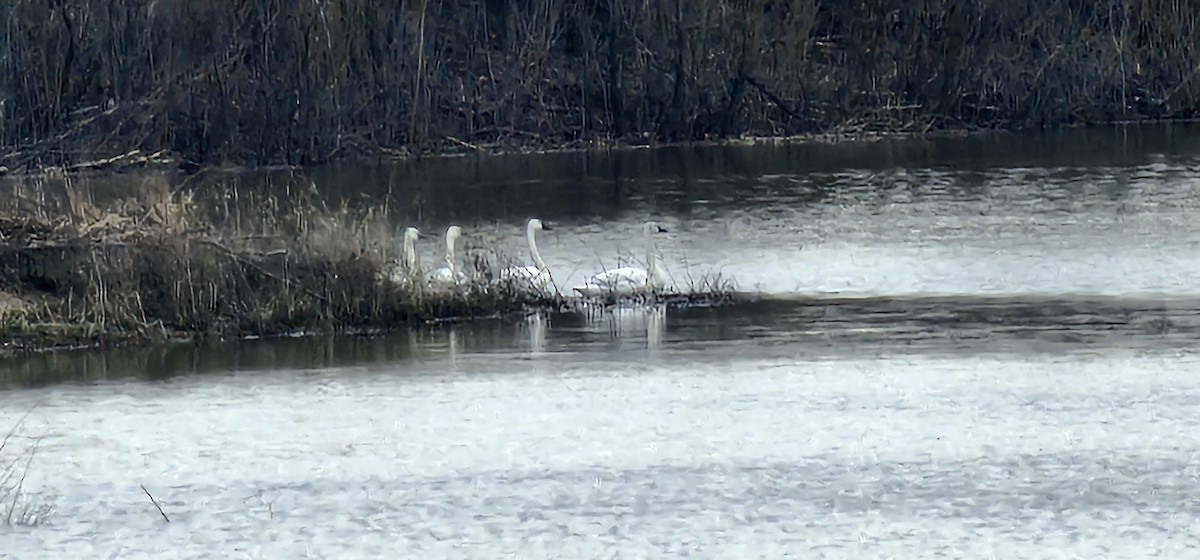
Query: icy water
(960, 349)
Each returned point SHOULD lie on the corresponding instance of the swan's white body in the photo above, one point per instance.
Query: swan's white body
(409, 265)
(537, 275)
(628, 280)
(448, 272)
(624, 281)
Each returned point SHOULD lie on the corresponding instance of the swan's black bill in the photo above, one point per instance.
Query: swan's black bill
(546, 227)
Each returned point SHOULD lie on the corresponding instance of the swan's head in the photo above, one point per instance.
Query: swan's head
(537, 225)
(653, 227)
(411, 234)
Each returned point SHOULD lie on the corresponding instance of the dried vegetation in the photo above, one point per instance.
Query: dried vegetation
(79, 268)
(88, 84)
(17, 452)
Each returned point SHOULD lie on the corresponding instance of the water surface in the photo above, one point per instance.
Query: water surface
(1079, 212)
(968, 348)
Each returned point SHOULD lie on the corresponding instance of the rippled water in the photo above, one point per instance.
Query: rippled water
(1079, 215)
(963, 349)
(905, 231)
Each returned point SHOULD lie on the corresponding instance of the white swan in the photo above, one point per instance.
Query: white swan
(537, 275)
(628, 280)
(408, 265)
(448, 272)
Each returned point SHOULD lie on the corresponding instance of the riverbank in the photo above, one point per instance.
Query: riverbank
(165, 161)
(334, 81)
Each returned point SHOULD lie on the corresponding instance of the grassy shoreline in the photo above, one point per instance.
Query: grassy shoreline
(158, 263)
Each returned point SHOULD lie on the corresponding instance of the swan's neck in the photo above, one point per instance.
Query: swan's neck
(649, 251)
(533, 249)
(410, 254)
(450, 253)
(654, 272)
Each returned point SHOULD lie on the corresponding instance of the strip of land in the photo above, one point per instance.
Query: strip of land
(159, 263)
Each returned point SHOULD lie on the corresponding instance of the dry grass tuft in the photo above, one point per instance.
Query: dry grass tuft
(17, 452)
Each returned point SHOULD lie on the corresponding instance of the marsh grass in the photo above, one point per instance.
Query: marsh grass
(17, 507)
(161, 262)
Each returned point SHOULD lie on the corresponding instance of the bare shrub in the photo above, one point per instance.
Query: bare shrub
(87, 84)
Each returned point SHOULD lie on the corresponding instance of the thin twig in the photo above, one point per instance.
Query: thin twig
(8, 436)
(155, 502)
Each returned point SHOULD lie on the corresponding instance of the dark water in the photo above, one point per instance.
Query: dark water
(829, 328)
(600, 187)
(960, 347)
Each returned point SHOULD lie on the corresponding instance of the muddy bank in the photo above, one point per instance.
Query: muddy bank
(89, 84)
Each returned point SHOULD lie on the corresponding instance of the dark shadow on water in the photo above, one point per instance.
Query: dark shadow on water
(590, 187)
(795, 328)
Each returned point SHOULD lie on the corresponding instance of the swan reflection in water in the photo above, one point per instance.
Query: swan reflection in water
(621, 323)
(536, 325)
(629, 322)
(439, 343)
